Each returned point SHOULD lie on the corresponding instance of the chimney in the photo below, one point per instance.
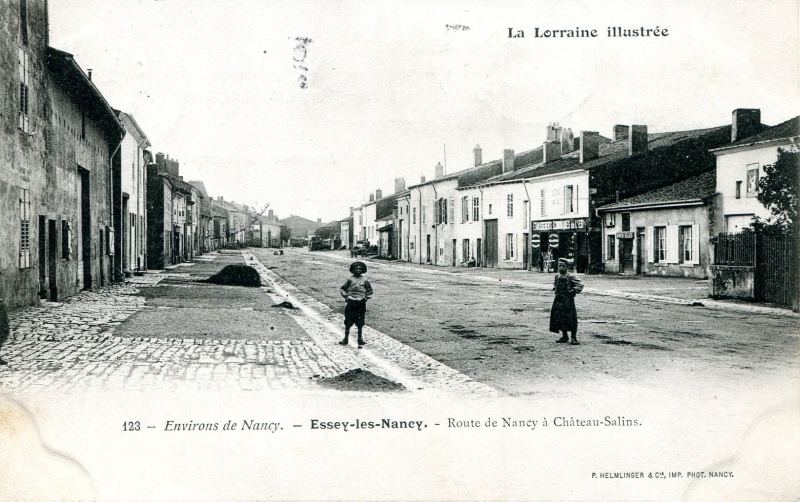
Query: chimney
(553, 132)
(422, 179)
(220, 198)
(567, 141)
(508, 160)
(551, 151)
(351, 210)
(372, 197)
(620, 132)
(477, 155)
(637, 140)
(270, 215)
(319, 221)
(589, 145)
(399, 185)
(745, 123)
(378, 194)
(89, 73)
(439, 172)
(576, 143)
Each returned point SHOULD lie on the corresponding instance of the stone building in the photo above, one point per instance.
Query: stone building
(23, 119)
(130, 183)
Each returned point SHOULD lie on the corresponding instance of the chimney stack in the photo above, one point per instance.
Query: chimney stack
(439, 172)
(399, 185)
(620, 132)
(745, 123)
(351, 210)
(372, 197)
(551, 151)
(637, 140)
(477, 155)
(89, 73)
(378, 194)
(270, 215)
(567, 140)
(422, 179)
(319, 221)
(508, 160)
(589, 145)
(553, 132)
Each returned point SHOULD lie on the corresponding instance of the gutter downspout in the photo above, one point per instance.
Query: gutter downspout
(435, 228)
(419, 207)
(528, 224)
(408, 244)
(483, 233)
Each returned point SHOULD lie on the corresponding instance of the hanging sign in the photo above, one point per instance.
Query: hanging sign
(535, 240)
(554, 240)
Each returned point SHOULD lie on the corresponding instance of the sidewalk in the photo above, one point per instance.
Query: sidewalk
(675, 290)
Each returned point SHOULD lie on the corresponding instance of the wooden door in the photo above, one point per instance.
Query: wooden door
(491, 243)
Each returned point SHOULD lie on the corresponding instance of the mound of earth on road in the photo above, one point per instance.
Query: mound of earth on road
(361, 380)
(236, 275)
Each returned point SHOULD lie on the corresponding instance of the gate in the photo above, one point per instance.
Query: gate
(775, 269)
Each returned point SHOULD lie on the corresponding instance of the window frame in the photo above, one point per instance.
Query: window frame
(510, 205)
(659, 244)
(611, 247)
(683, 249)
(476, 208)
(24, 207)
(751, 189)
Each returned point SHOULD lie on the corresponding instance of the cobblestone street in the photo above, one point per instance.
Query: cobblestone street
(122, 337)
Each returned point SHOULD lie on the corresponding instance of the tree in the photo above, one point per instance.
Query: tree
(286, 233)
(777, 190)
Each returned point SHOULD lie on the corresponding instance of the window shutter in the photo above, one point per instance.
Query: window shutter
(452, 211)
(563, 200)
(649, 243)
(575, 196)
(672, 244)
(695, 244)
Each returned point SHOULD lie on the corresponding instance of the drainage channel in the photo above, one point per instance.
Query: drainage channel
(383, 355)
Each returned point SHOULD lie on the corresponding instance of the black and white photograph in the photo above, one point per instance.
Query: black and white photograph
(349, 250)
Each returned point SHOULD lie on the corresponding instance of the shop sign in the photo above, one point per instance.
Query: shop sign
(535, 240)
(554, 240)
(624, 235)
(569, 224)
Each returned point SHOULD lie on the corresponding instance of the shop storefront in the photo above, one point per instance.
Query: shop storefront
(552, 240)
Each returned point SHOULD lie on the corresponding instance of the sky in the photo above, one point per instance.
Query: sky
(386, 89)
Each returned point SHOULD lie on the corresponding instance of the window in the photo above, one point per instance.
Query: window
(441, 211)
(626, 222)
(451, 215)
(413, 216)
(24, 228)
(611, 219)
(66, 240)
(422, 216)
(659, 244)
(739, 189)
(686, 248)
(24, 93)
(752, 180)
(525, 214)
(510, 205)
(490, 209)
(464, 209)
(465, 250)
(542, 206)
(611, 247)
(476, 209)
(569, 199)
(509, 246)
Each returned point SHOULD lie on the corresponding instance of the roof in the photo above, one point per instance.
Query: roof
(784, 130)
(129, 123)
(385, 206)
(200, 186)
(178, 183)
(66, 72)
(697, 188)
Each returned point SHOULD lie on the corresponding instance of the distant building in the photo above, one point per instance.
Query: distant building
(301, 227)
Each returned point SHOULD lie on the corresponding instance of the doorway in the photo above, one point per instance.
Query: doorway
(43, 286)
(86, 228)
(455, 245)
(428, 248)
(626, 256)
(491, 242)
(478, 253)
(52, 261)
(640, 247)
(526, 249)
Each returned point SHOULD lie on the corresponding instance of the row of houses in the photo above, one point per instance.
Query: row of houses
(637, 202)
(83, 202)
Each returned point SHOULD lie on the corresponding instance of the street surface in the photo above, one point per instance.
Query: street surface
(465, 331)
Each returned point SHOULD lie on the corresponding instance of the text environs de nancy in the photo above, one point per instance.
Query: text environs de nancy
(582, 32)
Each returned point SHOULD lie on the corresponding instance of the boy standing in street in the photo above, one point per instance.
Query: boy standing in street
(356, 291)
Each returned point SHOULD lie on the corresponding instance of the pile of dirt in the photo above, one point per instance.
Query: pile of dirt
(236, 275)
(361, 380)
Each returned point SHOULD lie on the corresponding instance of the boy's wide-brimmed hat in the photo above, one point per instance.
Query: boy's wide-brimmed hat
(564, 261)
(358, 264)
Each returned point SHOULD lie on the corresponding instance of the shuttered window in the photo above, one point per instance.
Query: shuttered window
(24, 228)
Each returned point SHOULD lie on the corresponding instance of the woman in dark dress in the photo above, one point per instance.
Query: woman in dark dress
(563, 316)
